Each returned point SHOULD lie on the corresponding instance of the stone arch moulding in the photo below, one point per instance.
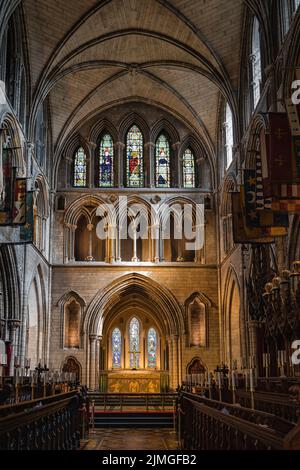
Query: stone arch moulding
(11, 127)
(100, 127)
(67, 298)
(163, 125)
(130, 120)
(232, 283)
(106, 298)
(194, 360)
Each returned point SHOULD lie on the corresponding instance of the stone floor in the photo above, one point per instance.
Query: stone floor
(130, 439)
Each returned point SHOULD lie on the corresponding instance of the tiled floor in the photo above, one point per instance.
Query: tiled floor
(131, 439)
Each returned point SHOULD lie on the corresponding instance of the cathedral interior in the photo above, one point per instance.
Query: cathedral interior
(150, 223)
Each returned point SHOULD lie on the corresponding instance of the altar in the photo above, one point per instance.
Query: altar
(135, 381)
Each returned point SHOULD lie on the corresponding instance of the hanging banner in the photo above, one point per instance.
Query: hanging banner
(27, 230)
(257, 215)
(240, 235)
(6, 187)
(280, 156)
(19, 206)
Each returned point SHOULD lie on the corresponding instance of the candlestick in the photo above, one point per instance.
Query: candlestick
(251, 378)
(246, 380)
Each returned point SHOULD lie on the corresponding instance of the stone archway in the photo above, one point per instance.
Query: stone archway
(195, 366)
(144, 293)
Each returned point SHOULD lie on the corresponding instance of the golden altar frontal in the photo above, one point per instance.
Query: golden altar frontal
(133, 381)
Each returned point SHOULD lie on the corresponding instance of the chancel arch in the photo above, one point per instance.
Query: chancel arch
(138, 296)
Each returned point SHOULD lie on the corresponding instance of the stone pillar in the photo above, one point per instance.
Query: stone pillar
(90, 159)
(13, 325)
(134, 242)
(120, 177)
(156, 243)
(176, 169)
(150, 164)
(174, 376)
(179, 353)
(68, 176)
(97, 362)
(110, 252)
(90, 228)
(67, 242)
(92, 381)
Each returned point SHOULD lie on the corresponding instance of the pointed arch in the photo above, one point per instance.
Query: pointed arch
(161, 299)
(163, 125)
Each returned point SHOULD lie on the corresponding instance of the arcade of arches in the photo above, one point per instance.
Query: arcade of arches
(158, 104)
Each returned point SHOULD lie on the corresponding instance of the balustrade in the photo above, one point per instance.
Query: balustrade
(49, 424)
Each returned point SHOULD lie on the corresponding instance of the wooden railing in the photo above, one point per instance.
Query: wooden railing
(274, 403)
(48, 424)
(205, 424)
(121, 400)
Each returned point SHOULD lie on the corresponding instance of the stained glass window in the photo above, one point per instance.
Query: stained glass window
(106, 160)
(116, 348)
(162, 158)
(228, 135)
(152, 347)
(134, 343)
(188, 165)
(134, 155)
(80, 168)
(255, 60)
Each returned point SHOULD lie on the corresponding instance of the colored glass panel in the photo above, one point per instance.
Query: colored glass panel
(152, 347)
(80, 168)
(134, 343)
(134, 155)
(116, 348)
(188, 162)
(162, 158)
(106, 160)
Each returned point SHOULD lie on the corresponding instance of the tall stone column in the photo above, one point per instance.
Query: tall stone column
(179, 354)
(174, 359)
(92, 381)
(110, 252)
(134, 244)
(91, 180)
(156, 243)
(176, 170)
(97, 362)
(14, 324)
(90, 229)
(150, 162)
(120, 177)
(68, 176)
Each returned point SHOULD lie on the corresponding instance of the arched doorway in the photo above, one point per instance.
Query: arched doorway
(72, 365)
(195, 367)
(159, 325)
